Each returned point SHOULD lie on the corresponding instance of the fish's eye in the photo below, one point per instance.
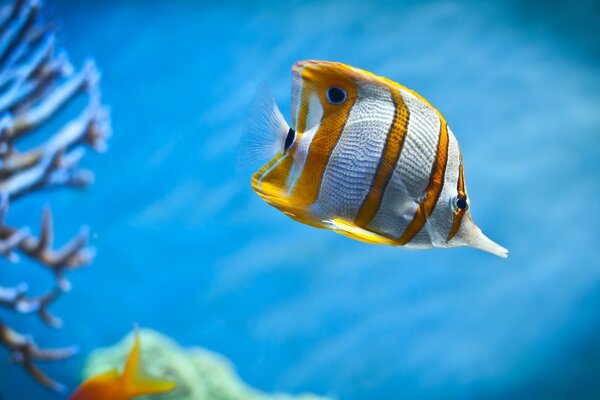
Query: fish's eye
(460, 203)
(336, 95)
(289, 139)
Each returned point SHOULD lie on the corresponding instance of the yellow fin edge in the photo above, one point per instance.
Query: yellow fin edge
(356, 232)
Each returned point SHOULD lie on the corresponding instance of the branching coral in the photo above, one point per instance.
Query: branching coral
(36, 82)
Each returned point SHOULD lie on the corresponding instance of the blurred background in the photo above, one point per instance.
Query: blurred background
(187, 248)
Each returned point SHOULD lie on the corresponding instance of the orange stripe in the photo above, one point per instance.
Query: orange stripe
(387, 162)
(307, 188)
(458, 215)
(302, 109)
(432, 193)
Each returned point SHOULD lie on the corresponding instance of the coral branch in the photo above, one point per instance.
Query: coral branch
(36, 82)
(25, 351)
(16, 299)
(56, 161)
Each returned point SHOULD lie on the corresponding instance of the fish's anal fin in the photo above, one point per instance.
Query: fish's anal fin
(136, 382)
(353, 231)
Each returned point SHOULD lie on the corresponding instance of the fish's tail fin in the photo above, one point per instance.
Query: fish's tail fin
(266, 130)
(136, 382)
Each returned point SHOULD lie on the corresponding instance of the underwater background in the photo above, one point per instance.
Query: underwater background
(186, 247)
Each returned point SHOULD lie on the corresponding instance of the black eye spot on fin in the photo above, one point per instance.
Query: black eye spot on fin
(336, 95)
(289, 139)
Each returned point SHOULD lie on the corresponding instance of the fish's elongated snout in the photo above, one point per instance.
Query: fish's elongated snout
(486, 244)
(469, 234)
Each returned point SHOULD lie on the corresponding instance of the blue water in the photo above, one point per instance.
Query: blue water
(187, 248)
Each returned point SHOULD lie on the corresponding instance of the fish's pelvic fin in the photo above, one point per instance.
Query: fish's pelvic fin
(266, 130)
(136, 382)
(353, 231)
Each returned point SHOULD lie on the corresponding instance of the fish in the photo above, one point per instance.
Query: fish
(364, 157)
(133, 382)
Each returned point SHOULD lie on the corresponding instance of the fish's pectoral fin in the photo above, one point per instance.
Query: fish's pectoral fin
(136, 382)
(266, 130)
(353, 231)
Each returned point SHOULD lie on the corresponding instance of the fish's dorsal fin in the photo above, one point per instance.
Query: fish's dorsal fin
(135, 381)
(356, 232)
(266, 130)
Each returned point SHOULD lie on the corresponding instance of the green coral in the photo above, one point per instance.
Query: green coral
(199, 373)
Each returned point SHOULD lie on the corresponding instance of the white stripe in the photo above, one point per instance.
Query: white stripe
(420, 147)
(314, 114)
(440, 221)
(412, 172)
(353, 163)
